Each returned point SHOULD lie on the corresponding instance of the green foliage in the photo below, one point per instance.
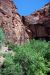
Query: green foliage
(32, 58)
(10, 68)
(2, 36)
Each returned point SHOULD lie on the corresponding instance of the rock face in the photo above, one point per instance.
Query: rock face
(19, 29)
(11, 23)
(39, 22)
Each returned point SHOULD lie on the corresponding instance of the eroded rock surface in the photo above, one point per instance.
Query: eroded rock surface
(11, 23)
(18, 29)
(39, 22)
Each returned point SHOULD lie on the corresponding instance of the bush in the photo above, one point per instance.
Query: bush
(10, 68)
(2, 36)
(32, 58)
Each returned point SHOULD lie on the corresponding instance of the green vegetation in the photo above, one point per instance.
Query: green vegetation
(32, 58)
(2, 36)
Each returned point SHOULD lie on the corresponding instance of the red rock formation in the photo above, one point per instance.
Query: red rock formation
(20, 29)
(11, 23)
(39, 22)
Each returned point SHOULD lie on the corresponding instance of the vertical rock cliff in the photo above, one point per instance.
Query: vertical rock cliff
(11, 23)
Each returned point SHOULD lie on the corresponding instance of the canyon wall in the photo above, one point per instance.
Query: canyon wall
(39, 22)
(19, 29)
(11, 22)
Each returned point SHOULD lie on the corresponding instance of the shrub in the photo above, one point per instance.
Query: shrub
(10, 68)
(2, 36)
(32, 58)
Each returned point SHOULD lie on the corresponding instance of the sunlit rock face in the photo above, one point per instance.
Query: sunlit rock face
(39, 22)
(11, 23)
(19, 29)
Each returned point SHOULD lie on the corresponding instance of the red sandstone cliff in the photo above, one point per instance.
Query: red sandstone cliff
(11, 23)
(39, 22)
(20, 29)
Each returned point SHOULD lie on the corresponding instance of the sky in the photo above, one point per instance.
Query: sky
(26, 7)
